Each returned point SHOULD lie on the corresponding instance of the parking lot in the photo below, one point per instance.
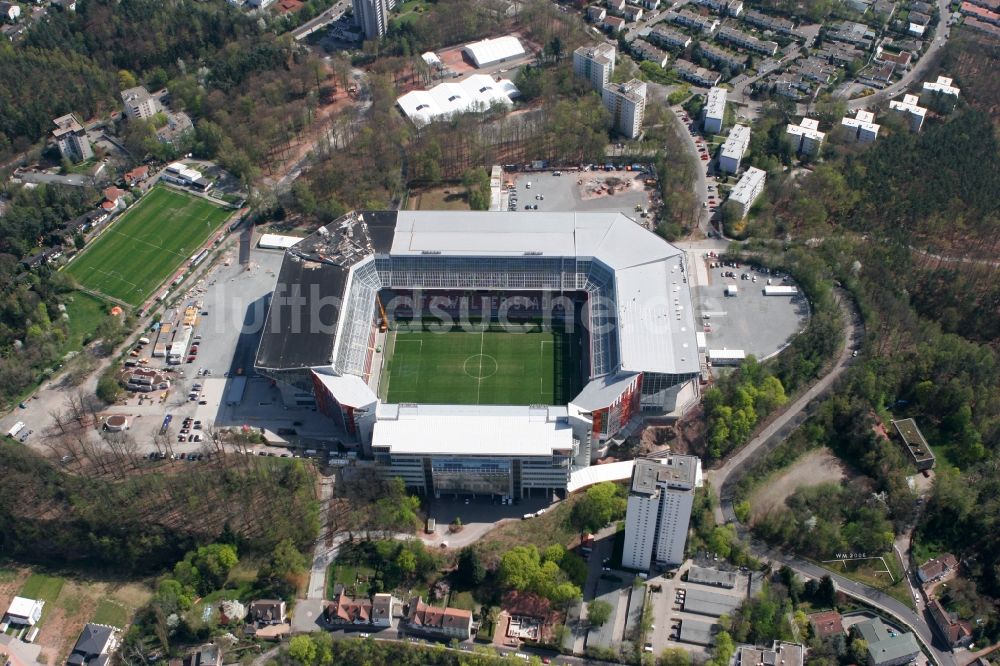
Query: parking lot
(584, 191)
(758, 324)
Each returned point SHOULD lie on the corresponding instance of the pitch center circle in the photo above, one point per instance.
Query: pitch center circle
(480, 366)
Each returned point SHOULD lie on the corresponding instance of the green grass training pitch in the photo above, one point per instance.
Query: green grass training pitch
(481, 368)
(141, 249)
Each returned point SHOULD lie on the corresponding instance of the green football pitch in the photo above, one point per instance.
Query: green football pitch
(142, 248)
(481, 368)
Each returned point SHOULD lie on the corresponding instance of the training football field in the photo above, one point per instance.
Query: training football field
(481, 368)
(143, 247)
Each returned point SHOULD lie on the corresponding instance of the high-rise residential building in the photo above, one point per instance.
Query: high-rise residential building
(659, 510)
(715, 109)
(806, 136)
(139, 104)
(910, 108)
(372, 16)
(627, 104)
(72, 139)
(748, 188)
(595, 63)
(863, 126)
(733, 149)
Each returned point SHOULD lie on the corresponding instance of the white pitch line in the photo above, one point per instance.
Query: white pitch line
(479, 379)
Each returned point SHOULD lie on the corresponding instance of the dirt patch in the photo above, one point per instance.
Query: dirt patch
(439, 198)
(11, 581)
(814, 468)
(599, 184)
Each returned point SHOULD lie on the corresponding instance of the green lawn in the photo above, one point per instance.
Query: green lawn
(877, 573)
(146, 245)
(40, 586)
(347, 575)
(110, 613)
(85, 314)
(481, 368)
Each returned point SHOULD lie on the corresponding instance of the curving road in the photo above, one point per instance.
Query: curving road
(778, 430)
(724, 478)
(919, 69)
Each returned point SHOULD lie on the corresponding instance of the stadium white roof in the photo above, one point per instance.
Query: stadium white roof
(349, 390)
(465, 429)
(490, 51)
(655, 317)
(477, 93)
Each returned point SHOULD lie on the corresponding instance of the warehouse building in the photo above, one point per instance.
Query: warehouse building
(479, 92)
(493, 51)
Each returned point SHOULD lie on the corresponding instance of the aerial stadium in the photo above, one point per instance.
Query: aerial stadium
(483, 353)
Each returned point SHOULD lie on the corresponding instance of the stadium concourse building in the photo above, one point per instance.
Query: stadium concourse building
(341, 291)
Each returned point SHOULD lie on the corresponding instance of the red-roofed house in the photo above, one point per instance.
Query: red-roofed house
(614, 24)
(938, 568)
(345, 610)
(826, 624)
(955, 632)
(981, 13)
(113, 199)
(136, 176)
(433, 620)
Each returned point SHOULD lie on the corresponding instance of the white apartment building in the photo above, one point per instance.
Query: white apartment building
(863, 126)
(139, 104)
(942, 86)
(627, 104)
(659, 510)
(372, 16)
(689, 19)
(910, 108)
(669, 38)
(734, 148)
(715, 109)
(749, 188)
(806, 136)
(595, 63)
(72, 139)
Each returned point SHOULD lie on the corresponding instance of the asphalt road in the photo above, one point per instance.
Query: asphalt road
(701, 183)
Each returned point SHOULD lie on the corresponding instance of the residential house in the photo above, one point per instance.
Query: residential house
(422, 618)
(722, 58)
(887, 647)
(970, 9)
(970, 22)
(113, 199)
(956, 633)
(13, 32)
(10, 11)
(646, 51)
(877, 76)
(900, 61)
(614, 24)
(860, 6)
(785, 654)
(268, 611)
(668, 38)
(937, 568)
(632, 13)
(884, 8)
(136, 175)
(178, 124)
(765, 22)
(747, 41)
(94, 647)
(345, 610)
(814, 69)
(909, 107)
(24, 611)
(697, 75)
(616, 6)
(383, 609)
(840, 54)
(596, 14)
(206, 655)
(826, 624)
(650, 5)
(689, 19)
(852, 32)
(715, 110)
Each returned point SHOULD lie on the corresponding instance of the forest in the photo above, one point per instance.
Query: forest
(144, 523)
